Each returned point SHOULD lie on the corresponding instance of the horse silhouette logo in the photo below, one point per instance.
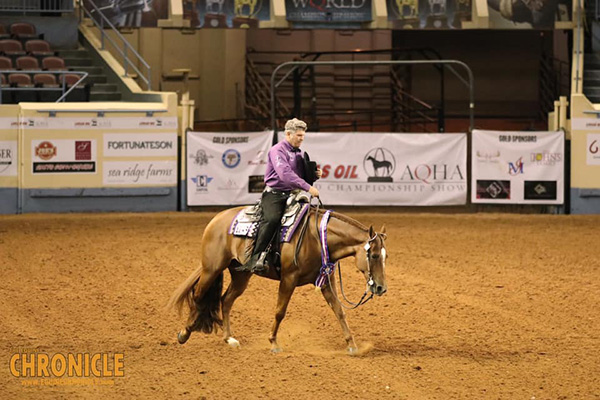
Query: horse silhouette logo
(379, 164)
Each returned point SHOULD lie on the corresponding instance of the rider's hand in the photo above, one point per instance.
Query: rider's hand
(319, 173)
(313, 191)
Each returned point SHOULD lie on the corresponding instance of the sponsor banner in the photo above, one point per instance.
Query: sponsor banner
(518, 167)
(525, 14)
(389, 168)
(492, 189)
(63, 156)
(328, 11)
(99, 123)
(140, 145)
(226, 168)
(585, 124)
(8, 158)
(226, 13)
(593, 149)
(428, 14)
(9, 122)
(139, 173)
(135, 14)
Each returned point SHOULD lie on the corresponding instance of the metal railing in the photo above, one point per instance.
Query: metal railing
(36, 6)
(62, 86)
(577, 87)
(309, 86)
(449, 64)
(101, 22)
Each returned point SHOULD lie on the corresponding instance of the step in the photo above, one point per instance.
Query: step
(93, 70)
(591, 78)
(104, 88)
(95, 79)
(79, 53)
(78, 62)
(105, 96)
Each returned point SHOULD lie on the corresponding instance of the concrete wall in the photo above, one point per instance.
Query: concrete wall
(216, 58)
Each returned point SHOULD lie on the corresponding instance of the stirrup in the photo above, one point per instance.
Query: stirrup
(260, 266)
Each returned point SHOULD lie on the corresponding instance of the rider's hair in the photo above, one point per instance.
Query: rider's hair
(294, 124)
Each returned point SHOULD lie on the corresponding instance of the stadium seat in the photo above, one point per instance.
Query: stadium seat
(38, 48)
(53, 64)
(50, 90)
(27, 63)
(45, 80)
(80, 93)
(70, 79)
(5, 63)
(12, 48)
(22, 81)
(3, 33)
(23, 31)
(6, 94)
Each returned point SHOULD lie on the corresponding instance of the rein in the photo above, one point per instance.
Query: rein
(327, 268)
(369, 283)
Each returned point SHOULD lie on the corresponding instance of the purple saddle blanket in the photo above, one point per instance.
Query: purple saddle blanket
(245, 223)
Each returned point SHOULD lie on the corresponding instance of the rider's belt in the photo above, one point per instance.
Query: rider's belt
(276, 191)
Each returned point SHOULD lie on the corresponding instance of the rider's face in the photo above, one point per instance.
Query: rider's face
(296, 138)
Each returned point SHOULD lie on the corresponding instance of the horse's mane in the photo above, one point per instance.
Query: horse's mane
(346, 219)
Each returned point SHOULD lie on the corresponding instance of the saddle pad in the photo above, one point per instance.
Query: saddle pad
(244, 226)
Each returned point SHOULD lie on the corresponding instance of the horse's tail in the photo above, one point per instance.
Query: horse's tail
(205, 311)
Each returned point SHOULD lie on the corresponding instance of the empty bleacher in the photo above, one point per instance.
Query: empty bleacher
(31, 70)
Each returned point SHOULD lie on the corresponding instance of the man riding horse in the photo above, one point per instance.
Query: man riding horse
(285, 173)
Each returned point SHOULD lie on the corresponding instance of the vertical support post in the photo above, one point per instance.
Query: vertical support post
(297, 94)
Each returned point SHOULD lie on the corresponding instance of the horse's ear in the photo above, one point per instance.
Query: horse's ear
(371, 231)
(382, 233)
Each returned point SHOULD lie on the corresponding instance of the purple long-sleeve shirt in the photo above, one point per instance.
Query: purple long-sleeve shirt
(285, 168)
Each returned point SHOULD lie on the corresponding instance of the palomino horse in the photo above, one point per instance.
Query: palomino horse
(201, 292)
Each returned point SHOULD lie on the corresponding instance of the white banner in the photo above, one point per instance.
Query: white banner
(141, 173)
(593, 149)
(389, 168)
(226, 168)
(99, 123)
(518, 167)
(63, 156)
(140, 145)
(8, 158)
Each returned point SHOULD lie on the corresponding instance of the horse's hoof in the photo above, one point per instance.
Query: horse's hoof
(276, 350)
(183, 336)
(233, 342)
(352, 351)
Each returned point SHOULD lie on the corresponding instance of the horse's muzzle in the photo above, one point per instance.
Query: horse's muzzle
(379, 290)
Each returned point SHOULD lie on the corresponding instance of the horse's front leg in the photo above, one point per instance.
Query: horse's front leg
(286, 289)
(328, 291)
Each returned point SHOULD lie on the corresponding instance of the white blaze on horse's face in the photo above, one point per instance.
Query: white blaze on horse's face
(371, 262)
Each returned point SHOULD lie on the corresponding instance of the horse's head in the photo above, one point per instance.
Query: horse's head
(370, 260)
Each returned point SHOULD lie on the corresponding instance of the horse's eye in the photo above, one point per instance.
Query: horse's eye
(375, 256)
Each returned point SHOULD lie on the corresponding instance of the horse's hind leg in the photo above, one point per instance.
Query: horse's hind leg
(237, 286)
(206, 294)
(328, 291)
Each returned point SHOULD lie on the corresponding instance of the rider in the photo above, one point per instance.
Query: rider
(285, 172)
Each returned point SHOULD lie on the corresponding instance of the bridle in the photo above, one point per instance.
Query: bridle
(370, 282)
(364, 299)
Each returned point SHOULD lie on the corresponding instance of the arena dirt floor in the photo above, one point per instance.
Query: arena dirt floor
(479, 306)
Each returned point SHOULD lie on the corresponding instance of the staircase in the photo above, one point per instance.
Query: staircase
(100, 89)
(591, 77)
(327, 97)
